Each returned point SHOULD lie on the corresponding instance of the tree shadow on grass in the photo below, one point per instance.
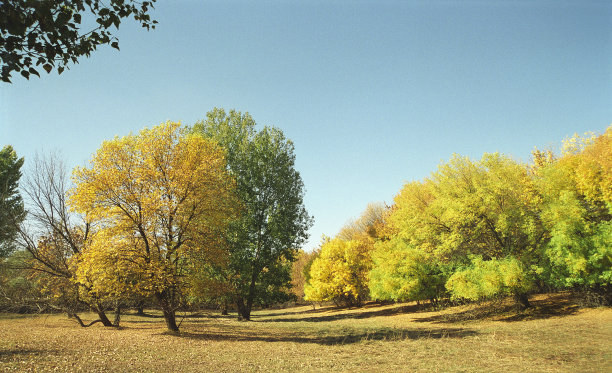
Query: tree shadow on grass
(382, 334)
(556, 305)
(153, 318)
(20, 353)
(362, 313)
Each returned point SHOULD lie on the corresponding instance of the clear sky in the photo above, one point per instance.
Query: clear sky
(373, 93)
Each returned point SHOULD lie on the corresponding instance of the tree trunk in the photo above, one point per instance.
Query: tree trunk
(523, 300)
(170, 320)
(168, 311)
(117, 314)
(140, 308)
(102, 315)
(243, 312)
(246, 312)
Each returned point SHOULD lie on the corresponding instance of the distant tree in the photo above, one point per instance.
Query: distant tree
(298, 276)
(160, 199)
(48, 32)
(370, 222)
(340, 273)
(18, 291)
(339, 270)
(11, 204)
(273, 222)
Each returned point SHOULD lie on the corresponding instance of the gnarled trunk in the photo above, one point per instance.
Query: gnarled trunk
(102, 315)
(104, 319)
(170, 318)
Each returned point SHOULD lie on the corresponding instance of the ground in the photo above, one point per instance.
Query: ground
(555, 336)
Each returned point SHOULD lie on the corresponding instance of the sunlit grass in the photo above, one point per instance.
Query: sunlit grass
(554, 336)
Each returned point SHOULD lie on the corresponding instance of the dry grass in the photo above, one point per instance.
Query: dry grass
(555, 336)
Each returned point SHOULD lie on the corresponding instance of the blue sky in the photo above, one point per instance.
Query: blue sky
(373, 93)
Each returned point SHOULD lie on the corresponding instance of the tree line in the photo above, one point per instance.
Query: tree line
(479, 229)
(176, 215)
(213, 214)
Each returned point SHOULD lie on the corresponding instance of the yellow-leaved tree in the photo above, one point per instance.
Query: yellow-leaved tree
(159, 200)
(341, 272)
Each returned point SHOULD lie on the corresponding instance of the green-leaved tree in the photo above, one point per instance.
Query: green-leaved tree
(273, 224)
(11, 204)
(48, 33)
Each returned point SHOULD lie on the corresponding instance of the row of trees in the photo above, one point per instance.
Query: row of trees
(477, 229)
(211, 212)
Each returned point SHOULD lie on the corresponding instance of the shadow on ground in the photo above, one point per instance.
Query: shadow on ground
(362, 313)
(20, 353)
(338, 339)
(552, 306)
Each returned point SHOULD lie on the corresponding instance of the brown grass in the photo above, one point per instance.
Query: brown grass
(555, 336)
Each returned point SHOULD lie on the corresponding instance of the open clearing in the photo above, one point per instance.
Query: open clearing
(555, 336)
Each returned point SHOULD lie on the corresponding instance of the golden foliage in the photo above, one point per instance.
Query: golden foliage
(160, 200)
(341, 272)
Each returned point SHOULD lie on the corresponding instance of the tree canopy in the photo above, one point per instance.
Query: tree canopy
(273, 222)
(159, 200)
(49, 33)
(341, 271)
(495, 227)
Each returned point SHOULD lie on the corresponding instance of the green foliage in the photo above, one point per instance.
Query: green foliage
(18, 292)
(507, 226)
(577, 211)
(273, 221)
(490, 278)
(487, 208)
(402, 272)
(47, 32)
(11, 204)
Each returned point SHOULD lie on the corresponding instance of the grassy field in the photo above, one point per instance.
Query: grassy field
(555, 336)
